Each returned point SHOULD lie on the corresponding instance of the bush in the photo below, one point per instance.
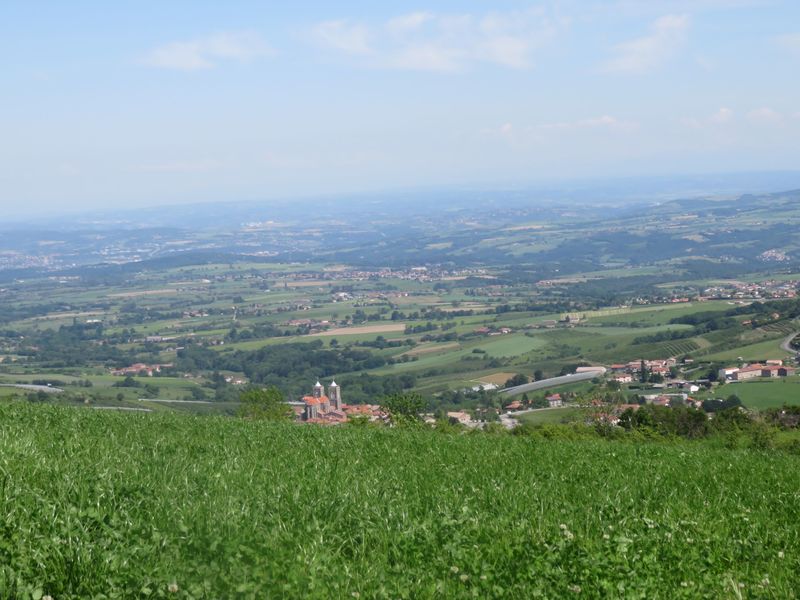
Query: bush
(266, 404)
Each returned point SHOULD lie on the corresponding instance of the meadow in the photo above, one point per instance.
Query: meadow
(97, 504)
(769, 393)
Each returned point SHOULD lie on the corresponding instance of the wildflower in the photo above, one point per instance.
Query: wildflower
(483, 577)
(47, 597)
(684, 584)
(606, 536)
(173, 588)
(569, 535)
(464, 577)
(454, 569)
(562, 527)
(356, 595)
(781, 554)
(575, 589)
(765, 582)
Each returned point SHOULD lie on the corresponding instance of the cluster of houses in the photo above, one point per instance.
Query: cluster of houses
(493, 331)
(770, 368)
(140, 369)
(553, 401)
(624, 372)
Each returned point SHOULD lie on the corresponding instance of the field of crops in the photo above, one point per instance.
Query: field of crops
(106, 505)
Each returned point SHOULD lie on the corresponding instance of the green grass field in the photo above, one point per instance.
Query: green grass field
(766, 394)
(97, 504)
(551, 415)
(759, 351)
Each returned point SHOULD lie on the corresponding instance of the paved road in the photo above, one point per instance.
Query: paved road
(548, 383)
(787, 344)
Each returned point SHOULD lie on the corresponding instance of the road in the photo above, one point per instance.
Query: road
(548, 383)
(787, 344)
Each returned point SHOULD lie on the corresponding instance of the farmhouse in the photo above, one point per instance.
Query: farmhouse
(460, 417)
(555, 401)
(139, 368)
(752, 371)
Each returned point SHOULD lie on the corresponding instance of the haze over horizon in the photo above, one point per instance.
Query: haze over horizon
(127, 106)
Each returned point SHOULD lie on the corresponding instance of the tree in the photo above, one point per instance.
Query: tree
(403, 408)
(538, 375)
(264, 403)
(518, 379)
(128, 382)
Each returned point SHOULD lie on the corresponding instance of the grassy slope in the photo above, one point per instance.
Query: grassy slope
(768, 393)
(125, 504)
(554, 415)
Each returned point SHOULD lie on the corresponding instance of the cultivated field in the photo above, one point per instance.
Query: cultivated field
(496, 378)
(388, 328)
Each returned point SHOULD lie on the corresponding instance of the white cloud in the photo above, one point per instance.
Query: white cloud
(765, 115)
(790, 41)
(425, 41)
(425, 57)
(343, 35)
(720, 117)
(723, 115)
(668, 34)
(207, 52)
(409, 22)
(504, 130)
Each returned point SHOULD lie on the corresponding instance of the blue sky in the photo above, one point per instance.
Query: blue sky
(142, 103)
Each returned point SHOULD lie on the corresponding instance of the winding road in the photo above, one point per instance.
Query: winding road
(787, 344)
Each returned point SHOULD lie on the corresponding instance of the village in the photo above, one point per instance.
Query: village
(665, 387)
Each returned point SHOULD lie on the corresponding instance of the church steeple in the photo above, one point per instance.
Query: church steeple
(335, 394)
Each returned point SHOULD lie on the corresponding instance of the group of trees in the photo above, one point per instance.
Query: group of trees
(71, 346)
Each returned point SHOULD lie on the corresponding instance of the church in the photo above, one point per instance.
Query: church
(319, 404)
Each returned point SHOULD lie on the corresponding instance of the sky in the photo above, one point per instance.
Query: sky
(126, 104)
